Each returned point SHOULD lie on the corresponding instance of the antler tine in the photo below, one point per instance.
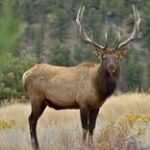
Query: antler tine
(77, 18)
(135, 31)
(119, 39)
(106, 38)
(82, 31)
(138, 18)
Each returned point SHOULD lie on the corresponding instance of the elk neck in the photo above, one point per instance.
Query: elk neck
(106, 84)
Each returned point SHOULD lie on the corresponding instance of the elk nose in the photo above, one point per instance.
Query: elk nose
(111, 67)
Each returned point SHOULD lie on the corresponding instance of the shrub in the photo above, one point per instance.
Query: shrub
(11, 71)
(129, 132)
(5, 124)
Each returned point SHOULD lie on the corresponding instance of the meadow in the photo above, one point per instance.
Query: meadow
(123, 123)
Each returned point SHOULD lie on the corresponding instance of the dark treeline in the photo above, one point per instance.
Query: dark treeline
(45, 31)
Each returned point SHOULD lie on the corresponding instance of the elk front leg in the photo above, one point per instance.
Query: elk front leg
(84, 115)
(92, 122)
(37, 110)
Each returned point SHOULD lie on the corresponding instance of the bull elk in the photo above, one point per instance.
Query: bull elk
(85, 86)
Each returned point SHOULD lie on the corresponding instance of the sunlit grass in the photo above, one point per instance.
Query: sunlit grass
(4, 124)
(61, 130)
(130, 132)
(117, 106)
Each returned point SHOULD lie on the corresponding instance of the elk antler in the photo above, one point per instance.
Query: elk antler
(135, 31)
(83, 33)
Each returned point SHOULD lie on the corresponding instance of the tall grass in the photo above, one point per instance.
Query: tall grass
(61, 130)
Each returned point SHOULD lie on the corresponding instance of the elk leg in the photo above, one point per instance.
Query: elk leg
(92, 122)
(37, 110)
(84, 115)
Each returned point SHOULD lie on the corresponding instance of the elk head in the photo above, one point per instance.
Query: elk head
(110, 56)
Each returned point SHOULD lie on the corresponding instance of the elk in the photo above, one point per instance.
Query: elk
(85, 86)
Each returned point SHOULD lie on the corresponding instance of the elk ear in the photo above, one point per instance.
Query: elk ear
(98, 52)
(122, 52)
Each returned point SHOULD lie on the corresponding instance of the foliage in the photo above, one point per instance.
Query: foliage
(146, 24)
(148, 76)
(11, 26)
(6, 124)
(56, 25)
(60, 55)
(133, 73)
(127, 133)
(47, 28)
(11, 71)
(60, 22)
(12, 64)
(81, 55)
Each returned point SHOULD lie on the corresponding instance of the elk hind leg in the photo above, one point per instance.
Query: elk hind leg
(37, 110)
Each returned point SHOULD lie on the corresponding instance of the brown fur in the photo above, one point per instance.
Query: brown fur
(62, 86)
(85, 86)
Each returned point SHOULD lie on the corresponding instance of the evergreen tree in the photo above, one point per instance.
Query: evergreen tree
(60, 55)
(148, 76)
(11, 26)
(146, 24)
(132, 72)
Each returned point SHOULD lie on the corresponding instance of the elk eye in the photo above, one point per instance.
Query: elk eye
(104, 57)
(117, 57)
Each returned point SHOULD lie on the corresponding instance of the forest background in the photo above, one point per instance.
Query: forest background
(44, 31)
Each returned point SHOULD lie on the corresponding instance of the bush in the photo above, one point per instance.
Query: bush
(11, 70)
(129, 132)
(131, 73)
(6, 124)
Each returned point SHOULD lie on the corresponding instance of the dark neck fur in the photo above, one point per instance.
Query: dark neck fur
(106, 85)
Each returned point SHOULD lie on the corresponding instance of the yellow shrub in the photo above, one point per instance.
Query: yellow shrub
(126, 132)
(137, 117)
(4, 124)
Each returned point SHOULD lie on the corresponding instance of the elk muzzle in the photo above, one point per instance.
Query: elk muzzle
(111, 69)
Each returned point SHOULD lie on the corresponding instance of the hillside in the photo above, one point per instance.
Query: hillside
(45, 31)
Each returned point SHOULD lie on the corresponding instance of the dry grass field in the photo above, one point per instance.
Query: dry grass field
(123, 124)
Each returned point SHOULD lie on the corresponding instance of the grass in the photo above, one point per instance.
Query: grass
(123, 118)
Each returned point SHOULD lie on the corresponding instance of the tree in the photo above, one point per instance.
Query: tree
(60, 55)
(61, 19)
(11, 68)
(148, 76)
(11, 71)
(83, 55)
(11, 26)
(132, 73)
(146, 24)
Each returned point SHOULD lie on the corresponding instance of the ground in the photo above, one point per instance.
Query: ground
(123, 118)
